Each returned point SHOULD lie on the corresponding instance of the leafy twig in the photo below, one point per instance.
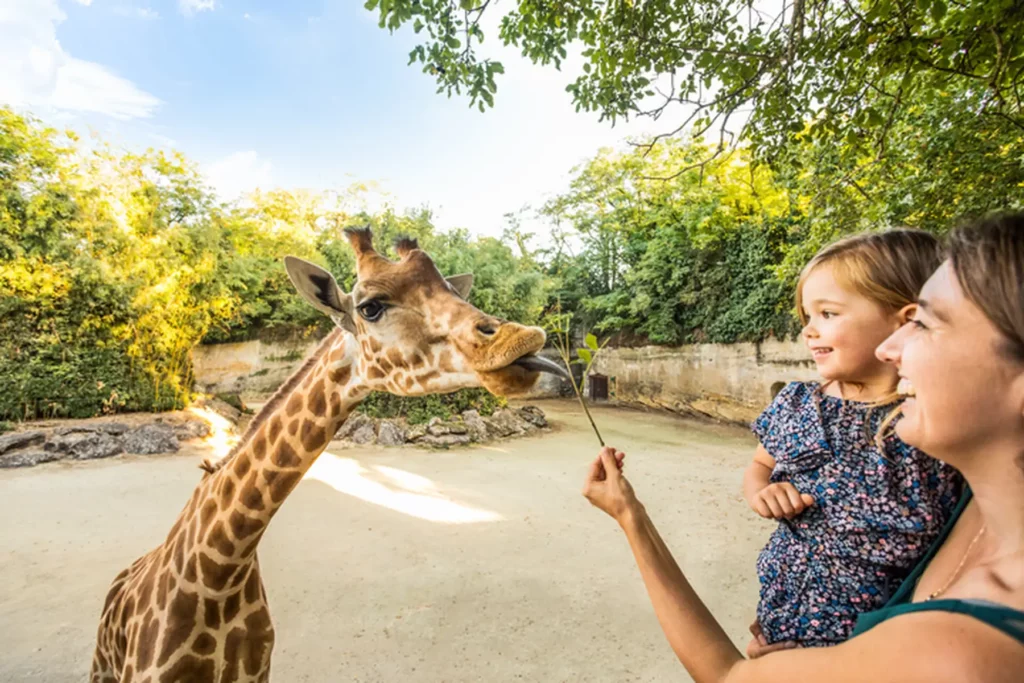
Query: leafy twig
(558, 324)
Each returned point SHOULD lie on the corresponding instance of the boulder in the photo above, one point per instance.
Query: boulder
(439, 427)
(84, 445)
(112, 428)
(504, 423)
(475, 425)
(354, 422)
(533, 415)
(17, 440)
(191, 429)
(364, 434)
(228, 412)
(444, 441)
(151, 440)
(415, 432)
(390, 434)
(27, 458)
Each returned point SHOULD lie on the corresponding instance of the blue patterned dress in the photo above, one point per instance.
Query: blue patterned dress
(874, 517)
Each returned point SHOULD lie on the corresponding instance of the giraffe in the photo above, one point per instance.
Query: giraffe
(194, 608)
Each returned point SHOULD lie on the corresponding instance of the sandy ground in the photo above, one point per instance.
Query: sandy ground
(408, 565)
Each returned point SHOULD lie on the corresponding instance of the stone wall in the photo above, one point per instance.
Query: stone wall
(257, 368)
(730, 382)
(251, 368)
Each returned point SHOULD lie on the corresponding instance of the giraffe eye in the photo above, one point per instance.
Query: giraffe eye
(372, 310)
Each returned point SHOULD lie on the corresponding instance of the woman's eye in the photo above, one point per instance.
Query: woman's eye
(917, 324)
(827, 314)
(371, 310)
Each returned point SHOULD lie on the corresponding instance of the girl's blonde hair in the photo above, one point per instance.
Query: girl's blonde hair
(888, 268)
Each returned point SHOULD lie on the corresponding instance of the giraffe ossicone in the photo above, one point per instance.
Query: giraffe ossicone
(194, 607)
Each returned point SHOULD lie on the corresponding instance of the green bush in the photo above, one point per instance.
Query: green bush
(420, 409)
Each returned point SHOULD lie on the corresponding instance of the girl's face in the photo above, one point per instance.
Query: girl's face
(963, 394)
(844, 329)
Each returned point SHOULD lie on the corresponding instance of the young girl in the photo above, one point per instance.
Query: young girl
(857, 508)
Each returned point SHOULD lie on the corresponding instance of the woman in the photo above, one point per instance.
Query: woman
(960, 616)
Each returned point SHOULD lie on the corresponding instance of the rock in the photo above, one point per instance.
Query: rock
(21, 440)
(390, 434)
(354, 422)
(27, 458)
(223, 409)
(416, 432)
(475, 426)
(234, 400)
(151, 440)
(191, 429)
(445, 441)
(439, 427)
(85, 445)
(504, 422)
(112, 428)
(364, 434)
(533, 415)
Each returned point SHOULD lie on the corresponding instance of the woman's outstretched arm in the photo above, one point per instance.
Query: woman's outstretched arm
(927, 646)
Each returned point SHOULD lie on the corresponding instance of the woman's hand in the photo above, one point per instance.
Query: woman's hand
(606, 488)
(759, 647)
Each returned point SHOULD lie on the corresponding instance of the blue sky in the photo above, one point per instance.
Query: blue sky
(300, 94)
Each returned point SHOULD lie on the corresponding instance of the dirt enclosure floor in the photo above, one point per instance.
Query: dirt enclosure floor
(478, 564)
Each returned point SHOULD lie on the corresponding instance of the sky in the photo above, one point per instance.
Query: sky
(307, 94)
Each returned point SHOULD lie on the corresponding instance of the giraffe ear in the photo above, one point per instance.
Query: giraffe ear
(461, 284)
(319, 288)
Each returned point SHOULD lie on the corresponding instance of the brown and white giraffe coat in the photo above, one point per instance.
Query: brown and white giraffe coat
(194, 608)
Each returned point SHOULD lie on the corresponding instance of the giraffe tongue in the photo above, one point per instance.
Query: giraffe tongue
(541, 364)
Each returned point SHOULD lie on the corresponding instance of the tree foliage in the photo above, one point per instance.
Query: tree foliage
(113, 266)
(841, 71)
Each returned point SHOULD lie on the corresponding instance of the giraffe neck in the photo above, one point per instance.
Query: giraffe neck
(238, 500)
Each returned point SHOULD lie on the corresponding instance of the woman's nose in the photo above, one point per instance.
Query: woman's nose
(891, 350)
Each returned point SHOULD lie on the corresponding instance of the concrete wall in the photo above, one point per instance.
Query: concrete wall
(731, 382)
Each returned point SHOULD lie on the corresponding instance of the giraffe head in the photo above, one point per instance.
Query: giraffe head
(416, 330)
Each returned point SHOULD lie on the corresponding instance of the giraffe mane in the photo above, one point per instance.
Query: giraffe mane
(282, 392)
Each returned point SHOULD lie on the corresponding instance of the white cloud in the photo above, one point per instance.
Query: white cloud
(239, 174)
(190, 7)
(38, 73)
(144, 13)
(84, 2)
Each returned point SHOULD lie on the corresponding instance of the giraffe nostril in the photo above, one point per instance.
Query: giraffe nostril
(486, 329)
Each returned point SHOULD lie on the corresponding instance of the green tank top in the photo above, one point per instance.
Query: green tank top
(1006, 619)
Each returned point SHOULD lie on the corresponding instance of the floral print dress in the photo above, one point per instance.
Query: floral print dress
(875, 514)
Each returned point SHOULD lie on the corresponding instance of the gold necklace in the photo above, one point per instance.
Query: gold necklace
(960, 566)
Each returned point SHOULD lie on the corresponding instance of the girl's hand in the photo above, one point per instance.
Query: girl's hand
(606, 488)
(781, 500)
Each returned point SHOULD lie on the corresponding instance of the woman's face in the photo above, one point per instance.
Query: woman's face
(962, 392)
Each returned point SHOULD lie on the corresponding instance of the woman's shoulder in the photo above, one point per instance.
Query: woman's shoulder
(972, 649)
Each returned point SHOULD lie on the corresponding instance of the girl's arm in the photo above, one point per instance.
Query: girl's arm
(772, 501)
(757, 476)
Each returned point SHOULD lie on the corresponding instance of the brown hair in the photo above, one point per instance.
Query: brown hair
(988, 258)
(887, 267)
